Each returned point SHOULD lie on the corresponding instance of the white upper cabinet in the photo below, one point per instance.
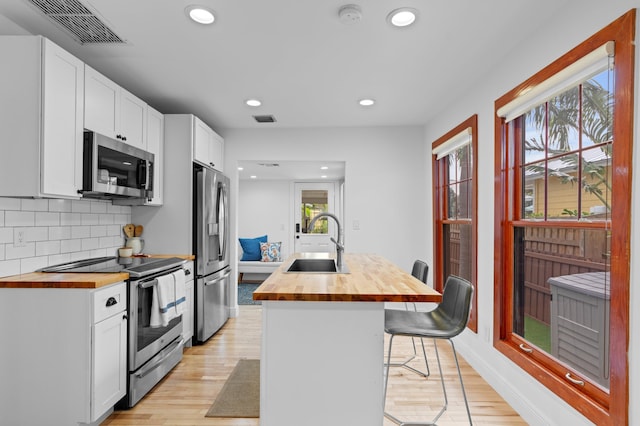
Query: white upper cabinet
(41, 109)
(208, 146)
(155, 145)
(113, 111)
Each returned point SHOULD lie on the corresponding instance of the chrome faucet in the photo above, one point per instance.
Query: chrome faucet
(339, 244)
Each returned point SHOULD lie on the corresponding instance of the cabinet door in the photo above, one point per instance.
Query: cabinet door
(101, 103)
(133, 120)
(155, 145)
(62, 121)
(109, 363)
(201, 142)
(217, 151)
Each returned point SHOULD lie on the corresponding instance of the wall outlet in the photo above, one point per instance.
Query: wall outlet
(356, 225)
(19, 239)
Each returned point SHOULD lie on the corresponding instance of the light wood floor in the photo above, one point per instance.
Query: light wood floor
(185, 395)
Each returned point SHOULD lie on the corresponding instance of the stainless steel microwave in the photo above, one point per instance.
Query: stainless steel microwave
(112, 169)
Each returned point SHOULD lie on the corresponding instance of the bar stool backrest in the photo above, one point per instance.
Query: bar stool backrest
(455, 307)
(420, 270)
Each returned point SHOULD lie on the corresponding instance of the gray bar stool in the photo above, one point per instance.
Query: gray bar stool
(446, 321)
(420, 271)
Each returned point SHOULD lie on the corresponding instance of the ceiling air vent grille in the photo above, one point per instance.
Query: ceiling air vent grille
(264, 118)
(74, 17)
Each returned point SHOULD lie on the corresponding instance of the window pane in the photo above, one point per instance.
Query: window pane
(534, 135)
(597, 110)
(314, 202)
(453, 201)
(457, 238)
(563, 187)
(533, 191)
(596, 178)
(454, 168)
(561, 295)
(564, 122)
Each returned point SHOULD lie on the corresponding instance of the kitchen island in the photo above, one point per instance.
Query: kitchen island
(323, 341)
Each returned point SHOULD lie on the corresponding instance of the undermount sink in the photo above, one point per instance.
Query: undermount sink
(326, 266)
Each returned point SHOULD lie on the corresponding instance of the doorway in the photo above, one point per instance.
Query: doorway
(311, 199)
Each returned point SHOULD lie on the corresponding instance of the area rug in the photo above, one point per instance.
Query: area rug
(240, 395)
(245, 294)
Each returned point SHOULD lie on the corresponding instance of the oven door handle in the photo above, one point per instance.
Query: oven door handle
(168, 350)
(147, 284)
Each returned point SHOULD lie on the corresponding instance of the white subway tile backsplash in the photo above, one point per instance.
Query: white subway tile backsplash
(115, 230)
(56, 231)
(59, 232)
(98, 206)
(105, 219)
(38, 233)
(60, 206)
(6, 235)
(30, 264)
(123, 218)
(98, 231)
(19, 218)
(59, 258)
(37, 205)
(80, 231)
(68, 246)
(90, 243)
(45, 248)
(13, 252)
(47, 218)
(9, 267)
(9, 203)
(90, 219)
(70, 219)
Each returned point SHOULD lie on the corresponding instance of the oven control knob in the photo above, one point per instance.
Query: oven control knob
(124, 317)
(111, 301)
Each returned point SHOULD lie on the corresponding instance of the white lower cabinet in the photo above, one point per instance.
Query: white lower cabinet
(64, 357)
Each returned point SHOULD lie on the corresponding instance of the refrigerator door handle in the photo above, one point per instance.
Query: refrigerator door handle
(220, 278)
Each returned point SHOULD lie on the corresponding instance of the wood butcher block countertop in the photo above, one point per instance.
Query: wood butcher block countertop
(70, 279)
(372, 278)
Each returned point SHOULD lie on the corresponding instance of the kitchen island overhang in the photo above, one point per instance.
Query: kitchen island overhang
(322, 358)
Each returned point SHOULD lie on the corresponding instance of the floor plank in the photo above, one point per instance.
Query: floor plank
(185, 395)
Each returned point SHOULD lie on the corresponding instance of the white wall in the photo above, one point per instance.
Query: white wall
(264, 208)
(56, 231)
(571, 25)
(384, 180)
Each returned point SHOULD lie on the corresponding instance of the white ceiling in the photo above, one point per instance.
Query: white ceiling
(307, 67)
(292, 170)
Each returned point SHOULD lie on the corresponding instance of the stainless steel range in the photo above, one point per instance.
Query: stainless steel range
(152, 350)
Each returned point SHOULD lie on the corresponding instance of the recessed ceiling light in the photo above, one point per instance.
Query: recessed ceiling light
(402, 17)
(366, 102)
(253, 176)
(253, 102)
(241, 168)
(324, 168)
(200, 14)
(323, 176)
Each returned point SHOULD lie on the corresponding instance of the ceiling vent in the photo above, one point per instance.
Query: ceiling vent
(269, 164)
(264, 118)
(75, 18)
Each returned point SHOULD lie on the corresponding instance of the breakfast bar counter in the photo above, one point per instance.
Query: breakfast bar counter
(323, 341)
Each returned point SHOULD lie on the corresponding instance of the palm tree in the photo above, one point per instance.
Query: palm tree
(566, 121)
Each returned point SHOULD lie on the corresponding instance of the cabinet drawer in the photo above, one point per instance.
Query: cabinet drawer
(109, 301)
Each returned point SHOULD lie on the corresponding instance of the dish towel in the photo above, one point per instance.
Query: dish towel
(168, 299)
(163, 301)
(180, 291)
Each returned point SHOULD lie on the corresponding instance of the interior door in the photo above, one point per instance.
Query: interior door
(312, 198)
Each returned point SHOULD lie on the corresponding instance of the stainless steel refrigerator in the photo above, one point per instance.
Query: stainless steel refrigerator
(211, 247)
